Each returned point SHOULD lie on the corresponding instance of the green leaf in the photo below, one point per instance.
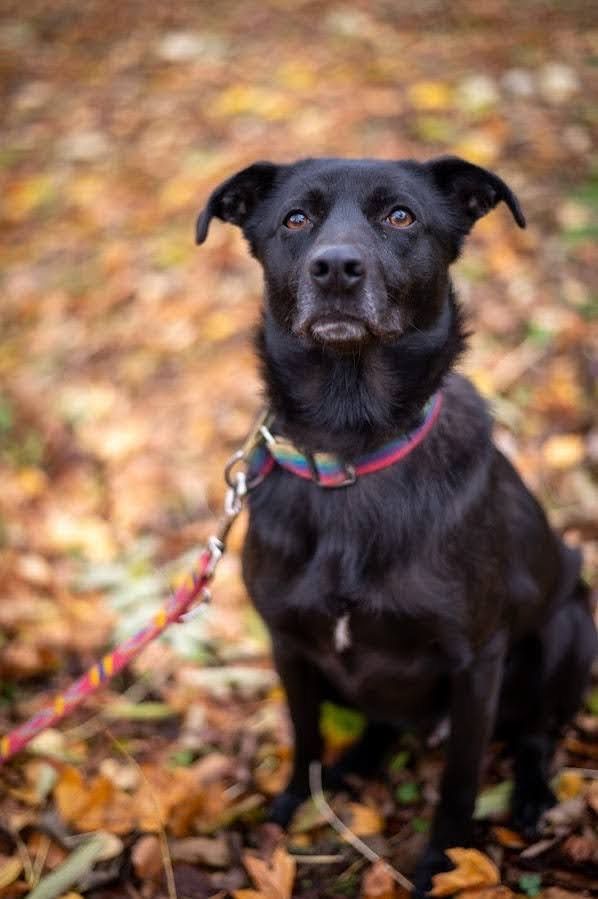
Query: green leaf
(530, 884)
(592, 701)
(420, 825)
(79, 863)
(182, 758)
(337, 721)
(399, 761)
(141, 711)
(408, 793)
(494, 800)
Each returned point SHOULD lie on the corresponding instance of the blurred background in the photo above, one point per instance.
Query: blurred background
(126, 367)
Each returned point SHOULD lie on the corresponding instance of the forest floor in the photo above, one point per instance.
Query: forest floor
(127, 377)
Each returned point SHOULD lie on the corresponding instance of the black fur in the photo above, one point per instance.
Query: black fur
(462, 600)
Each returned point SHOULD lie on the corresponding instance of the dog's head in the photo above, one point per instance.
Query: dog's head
(356, 251)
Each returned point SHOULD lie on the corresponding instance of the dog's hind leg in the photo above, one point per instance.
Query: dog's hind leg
(557, 671)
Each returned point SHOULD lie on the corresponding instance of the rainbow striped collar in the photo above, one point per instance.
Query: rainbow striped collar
(328, 470)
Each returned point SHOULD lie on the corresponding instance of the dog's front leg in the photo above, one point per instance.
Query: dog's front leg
(475, 690)
(303, 686)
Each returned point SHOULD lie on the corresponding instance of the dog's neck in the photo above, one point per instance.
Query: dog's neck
(349, 404)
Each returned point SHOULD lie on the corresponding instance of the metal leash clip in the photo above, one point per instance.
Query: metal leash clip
(238, 487)
(241, 458)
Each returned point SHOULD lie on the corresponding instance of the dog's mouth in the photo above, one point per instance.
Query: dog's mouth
(338, 331)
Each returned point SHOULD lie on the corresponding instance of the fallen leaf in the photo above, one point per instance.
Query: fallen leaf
(495, 892)
(494, 800)
(211, 851)
(97, 806)
(378, 882)
(147, 857)
(563, 451)
(10, 868)
(582, 848)
(510, 839)
(430, 95)
(275, 879)
(570, 784)
(473, 870)
(364, 821)
(579, 747)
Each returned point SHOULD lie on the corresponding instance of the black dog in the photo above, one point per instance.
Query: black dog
(435, 586)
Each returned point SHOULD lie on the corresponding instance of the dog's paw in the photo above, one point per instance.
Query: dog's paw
(528, 806)
(434, 861)
(283, 807)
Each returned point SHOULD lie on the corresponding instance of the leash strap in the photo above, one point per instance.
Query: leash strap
(177, 608)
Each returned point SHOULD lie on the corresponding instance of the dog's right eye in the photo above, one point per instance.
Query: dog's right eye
(296, 220)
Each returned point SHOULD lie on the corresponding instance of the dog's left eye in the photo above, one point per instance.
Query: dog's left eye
(296, 220)
(400, 218)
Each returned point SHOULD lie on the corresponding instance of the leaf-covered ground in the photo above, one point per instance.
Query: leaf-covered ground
(127, 377)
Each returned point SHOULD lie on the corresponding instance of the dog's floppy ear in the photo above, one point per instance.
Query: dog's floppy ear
(236, 198)
(474, 189)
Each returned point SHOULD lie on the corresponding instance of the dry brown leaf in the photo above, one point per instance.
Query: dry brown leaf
(580, 747)
(560, 893)
(365, 821)
(274, 879)
(378, 882)
(582, 848)
(147, 857)
(510, 839)
(99, 806)
(496, 892)
(473, 870)
(592, 796)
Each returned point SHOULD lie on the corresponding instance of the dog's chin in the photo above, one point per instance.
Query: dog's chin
(340, 332)
(345, 333)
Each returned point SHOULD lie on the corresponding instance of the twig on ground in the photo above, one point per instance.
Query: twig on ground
(317, 794)
(165, 852)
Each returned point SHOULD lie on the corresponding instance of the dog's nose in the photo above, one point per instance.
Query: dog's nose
(341, 267)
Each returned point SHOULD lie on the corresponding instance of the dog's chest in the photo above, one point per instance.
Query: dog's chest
(341, 633)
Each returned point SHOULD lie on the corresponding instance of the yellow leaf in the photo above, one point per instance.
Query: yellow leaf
(274, 880)
(27, 195)
(9, 871)
(365, 821)
(479, 147)
(563, 451)
(570, 785)
(296, 77)
(430, 95)
(242, 99)
(33, 481)
(247, 894)
(473, 870)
